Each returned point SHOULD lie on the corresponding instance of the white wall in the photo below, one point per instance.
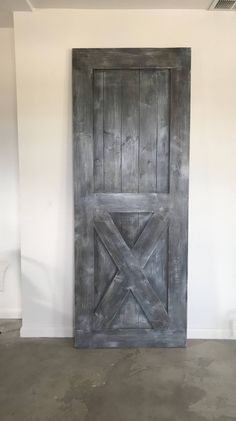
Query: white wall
(10, 300)
(43, 61)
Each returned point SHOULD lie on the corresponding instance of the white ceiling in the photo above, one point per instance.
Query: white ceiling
(14, 5)
(7, 7)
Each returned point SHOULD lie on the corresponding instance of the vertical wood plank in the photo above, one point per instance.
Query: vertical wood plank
(143, 219)
(98, 130)
(104, 270)
(156, 269)
(112, 131)
(130, 130)
(148, 132)
(163, 125)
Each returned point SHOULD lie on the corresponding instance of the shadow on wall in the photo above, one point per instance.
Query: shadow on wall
(231, 318)
(41, 308)
(9, 259)
(47, 284)
(64, 263)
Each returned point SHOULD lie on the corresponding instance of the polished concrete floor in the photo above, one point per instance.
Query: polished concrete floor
(47, 379)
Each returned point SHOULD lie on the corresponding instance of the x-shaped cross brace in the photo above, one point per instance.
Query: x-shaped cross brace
(131, 275)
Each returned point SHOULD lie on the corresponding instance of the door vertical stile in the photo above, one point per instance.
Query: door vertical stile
(83, 170)
(179, 155)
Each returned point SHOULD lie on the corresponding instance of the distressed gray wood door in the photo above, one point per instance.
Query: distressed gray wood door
(131, 148)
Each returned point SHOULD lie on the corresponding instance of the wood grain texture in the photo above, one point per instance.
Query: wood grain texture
(131, 58)
(83, 170)
(128, 202)
(131, 312)
(98, 129)
(112, 131)
(163, 130)
(131, 338)
(148, 132)
(178, 231)
(129, 265)
(131, 150)
(116, 293)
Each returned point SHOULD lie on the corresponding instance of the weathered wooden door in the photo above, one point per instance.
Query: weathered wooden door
(131, 147)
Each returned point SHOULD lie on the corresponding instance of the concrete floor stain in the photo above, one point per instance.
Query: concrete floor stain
(49, 380)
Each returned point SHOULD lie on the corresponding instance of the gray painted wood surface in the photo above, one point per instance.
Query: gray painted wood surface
(131, 149)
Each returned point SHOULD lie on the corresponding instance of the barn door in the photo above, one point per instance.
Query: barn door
(131, 141)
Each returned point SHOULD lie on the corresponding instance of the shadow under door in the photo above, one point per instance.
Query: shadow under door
(131, 151)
